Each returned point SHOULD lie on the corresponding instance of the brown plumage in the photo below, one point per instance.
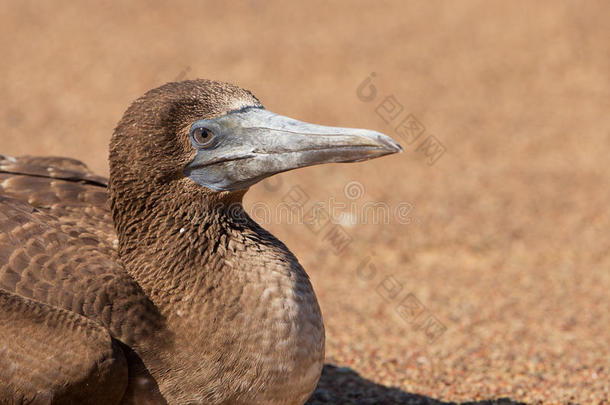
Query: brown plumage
(159, 288)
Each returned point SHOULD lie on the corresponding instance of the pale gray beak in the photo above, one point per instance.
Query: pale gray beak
(243, 147)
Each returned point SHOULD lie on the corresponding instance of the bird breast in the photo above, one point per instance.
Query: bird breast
(250, 323)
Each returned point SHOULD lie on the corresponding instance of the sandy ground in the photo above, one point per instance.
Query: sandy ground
(483, 270)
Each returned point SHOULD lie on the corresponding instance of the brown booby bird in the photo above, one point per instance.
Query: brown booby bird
(156, 287)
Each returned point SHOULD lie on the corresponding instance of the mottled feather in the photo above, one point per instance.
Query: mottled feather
(58, 253)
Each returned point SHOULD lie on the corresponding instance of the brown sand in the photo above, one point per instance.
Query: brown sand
(495, 284)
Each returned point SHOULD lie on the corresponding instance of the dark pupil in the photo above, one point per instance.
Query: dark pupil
(202, 135)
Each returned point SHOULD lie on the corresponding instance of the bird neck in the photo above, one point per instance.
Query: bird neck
(178, 240)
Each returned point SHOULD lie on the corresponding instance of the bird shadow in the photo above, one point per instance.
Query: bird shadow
(342, 385)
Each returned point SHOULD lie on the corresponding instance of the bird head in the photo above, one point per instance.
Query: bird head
(219, 137)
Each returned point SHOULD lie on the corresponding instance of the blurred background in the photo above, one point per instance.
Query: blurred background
(482, 270)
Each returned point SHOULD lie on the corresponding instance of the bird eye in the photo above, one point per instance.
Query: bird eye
(202, 136)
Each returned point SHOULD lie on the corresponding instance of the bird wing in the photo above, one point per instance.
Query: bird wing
(62, 187)
(50, 355)
(58, 269)
(52, 167)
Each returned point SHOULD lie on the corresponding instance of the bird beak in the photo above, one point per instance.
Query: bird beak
(252, 144)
